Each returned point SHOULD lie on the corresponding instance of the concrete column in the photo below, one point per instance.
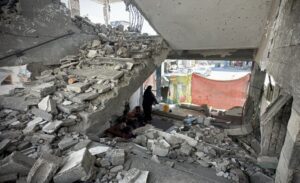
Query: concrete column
(74, 7)
(252, 105)
(289, 158)
(158, 82)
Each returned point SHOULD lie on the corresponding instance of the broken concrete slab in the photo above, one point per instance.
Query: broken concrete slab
(259, 177)
(116, 169)
(92, 53)
(101, 88)
(44, 169)
(16, 103)
(9, 177)
(71, 108)
(43, 114)
(97, 150)
(77, 167)
(16, 163)
(43, 89)
(267, 162)
(185, 149)
(116, 156)
(67, 142)
(78, 87)
(47, 104)
(161, 148)
(41, 138)
(31, 126)
(85, 97)
(52, 126)
(4, 144)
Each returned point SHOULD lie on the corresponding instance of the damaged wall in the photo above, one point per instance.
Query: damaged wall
(36, 22)
(279, 54)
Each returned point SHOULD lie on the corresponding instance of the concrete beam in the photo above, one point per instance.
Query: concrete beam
(228, 54)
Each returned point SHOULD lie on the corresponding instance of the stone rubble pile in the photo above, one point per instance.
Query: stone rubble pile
(41, 124)
(208, 146)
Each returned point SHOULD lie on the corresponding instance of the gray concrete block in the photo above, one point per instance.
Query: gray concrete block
(52, 126)
(67, 142)
(116, 156)
(71, 108)
(77, 167)
(44, 169)
(161, 148)
(9, 177)
(43, 89)
(85, 97)
(267, 162)
(47, 104)
(4, 144)
(43, 114)
(16, 163)
(15, 103)
(78, 87)
(32, 125)
(259, 177)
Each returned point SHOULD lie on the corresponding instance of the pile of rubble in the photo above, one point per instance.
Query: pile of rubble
(205, 145)
(40, 124)
(8, 9)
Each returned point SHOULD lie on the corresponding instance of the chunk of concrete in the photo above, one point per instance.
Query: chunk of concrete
(43, 114)
(67, 142)
(161, 148)
(44, 169)
(97, 150)
(192, 142)
(47, 104)
(102, 88)
(43, 89)
(77, 167)
(259, 177)
(52, 126)
(37, 138)
(116, 169)
(16, 163)
(92, 53)
(4, 144)
(68, 122)
(96, 43)
(85, 97)
(116, 156)
(185, 149)
(71, 108)
(31, 126)
(267, 162)
(78, 87)
(9, 177)
(15, 103)
(135, 175)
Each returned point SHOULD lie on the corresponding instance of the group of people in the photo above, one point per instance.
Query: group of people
(135, 118)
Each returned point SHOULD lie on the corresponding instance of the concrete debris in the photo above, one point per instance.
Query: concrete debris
(267, 162)
(43, 89)
(161, 148)
(4, 144)
(49, 114)
(16, 163)
(43, 114)
(78, 87)
(48, 105)
(116, 156)
(77, 167)
(44, 169)
(67, 142)
(52, 126)
(259, 177)
(135, 176)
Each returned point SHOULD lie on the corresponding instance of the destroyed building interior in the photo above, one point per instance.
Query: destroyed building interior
(73, 99)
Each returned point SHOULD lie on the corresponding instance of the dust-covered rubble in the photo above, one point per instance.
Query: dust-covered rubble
(208, 146)
(41, 125)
